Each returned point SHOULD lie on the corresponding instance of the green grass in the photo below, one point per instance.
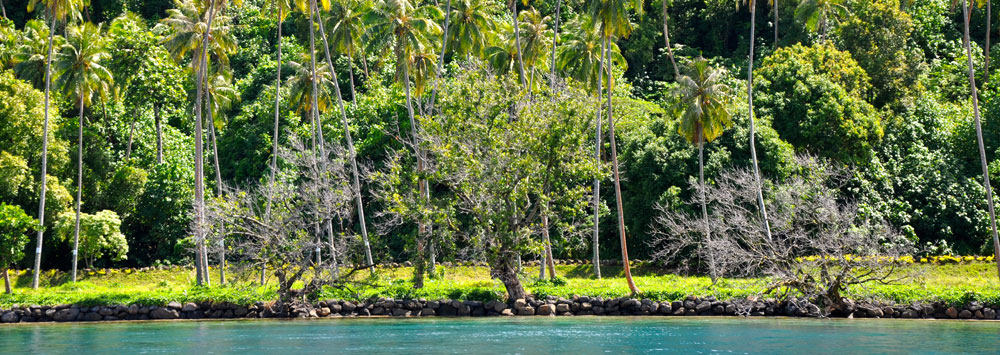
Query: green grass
(954, 283)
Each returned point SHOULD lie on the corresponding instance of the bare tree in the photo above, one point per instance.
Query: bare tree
(819, 245)
(317, 188)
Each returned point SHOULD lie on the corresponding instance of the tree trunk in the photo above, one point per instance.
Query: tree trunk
(986, 50)
(277, 116)
(215, 148)
(507, 274)
(317, 119)
(4, 10)
(753, 146)
(350, 149)
(6, 281)
(199, 168)
(979, 137)
(159, 134)
(775, 24)
(222, 261)
(547, 253)
(614, 164)
(704, 200)
(418, 265)
(335, 267)
(666, 40)
(517, 44)
(597, 158)
(79, 188)
(45, 159)
(131, 135)
(350, 73)
(555, 45)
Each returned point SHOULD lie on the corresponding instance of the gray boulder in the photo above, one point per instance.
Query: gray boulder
(9, 317)
(189, 307)
(164, 313)
(66, 315)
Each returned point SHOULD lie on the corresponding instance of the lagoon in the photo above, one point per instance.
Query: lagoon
(529, 335)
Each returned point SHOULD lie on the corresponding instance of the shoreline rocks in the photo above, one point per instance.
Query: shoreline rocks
(549, 306)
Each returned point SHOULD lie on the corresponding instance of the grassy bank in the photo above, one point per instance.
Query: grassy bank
(952, 283)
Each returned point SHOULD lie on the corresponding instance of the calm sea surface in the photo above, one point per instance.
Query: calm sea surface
(534, 335)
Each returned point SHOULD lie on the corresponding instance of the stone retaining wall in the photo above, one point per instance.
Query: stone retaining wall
(551, 306)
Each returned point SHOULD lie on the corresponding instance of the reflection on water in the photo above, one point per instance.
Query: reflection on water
(570, 335)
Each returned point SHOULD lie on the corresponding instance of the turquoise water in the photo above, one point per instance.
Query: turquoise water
(576, 335)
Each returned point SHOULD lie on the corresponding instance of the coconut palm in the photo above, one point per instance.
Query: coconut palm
(399, 25)
(706, 116)
(29, 57)
(55, 10)
(281, 9)
(346, 28)
(219, 96)
(469, 26)
(753, 146)
(206, 40)
(300, 88)
(81, 75)
(613, 18)
(820, 15)
(666, 39)
(979, 134)
(502, 54)
(536, 38)
(512, 5)
(579, 56)
(356, 183)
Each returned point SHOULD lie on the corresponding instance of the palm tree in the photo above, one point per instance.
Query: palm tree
(56, 10)
(405, 28)
(469, 26)
(281, 9)
(81, 75)
(666, 39)
(346, 28)
(512, 5)
(753, 146)
(545, 217)
(219, 95)
(706, 116)
(555, 46)
(979, 134)
(300, 88)
(502, 55)
(819, 15)
(356, 183)
(612, 15)
(187, 33)
(536, 38)
(579, 56)
(29, 58)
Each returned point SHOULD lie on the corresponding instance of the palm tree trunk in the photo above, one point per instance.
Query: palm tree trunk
(618, 188)
(6, 280)
(704, 200)
(4, 10)
(517, 43)
(979, 137)
(318, 126)
(753, 146)
(597, 159)
(159, 134)
(333, 251)
(444, 50)
(775, 23)
(364, 63)
(79, 187)
(555, 44)
(45, 158)
(350, 73)
(218, 187)
(422, 184)
(131, 135)
(666, 39)
(199, 168)
(215, 149)
(986, 50)
(350, 150)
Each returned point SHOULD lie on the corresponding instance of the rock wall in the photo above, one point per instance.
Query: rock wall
(551, 306)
